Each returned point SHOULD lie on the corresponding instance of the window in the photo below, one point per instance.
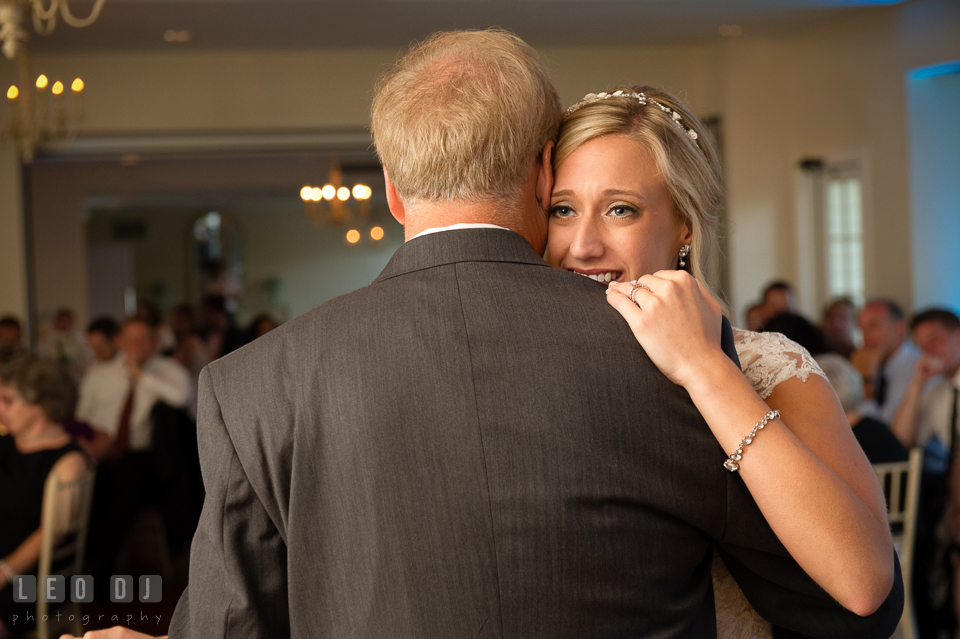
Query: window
(844, 233)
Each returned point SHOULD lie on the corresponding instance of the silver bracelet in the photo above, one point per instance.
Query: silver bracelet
(731, 463)
(8, 571)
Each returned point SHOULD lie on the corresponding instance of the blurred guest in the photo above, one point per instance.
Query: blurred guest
(778, 297)
(149, 313)
(840, 326)
(10, 332)
(756, 315)
(875, 438)
(189, 349)
(928, 417)
(800, 330)
(119, 398)
(221, 336)
(36, 397)
(885, 332)
(65, 344)
(118, 395)
(260, 326)
(102, 339)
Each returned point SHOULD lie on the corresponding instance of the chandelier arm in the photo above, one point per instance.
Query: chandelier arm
(45, 14)
(41, 28)
(79, 22)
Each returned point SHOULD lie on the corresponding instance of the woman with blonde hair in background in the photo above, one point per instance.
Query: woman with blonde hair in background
(636, 204)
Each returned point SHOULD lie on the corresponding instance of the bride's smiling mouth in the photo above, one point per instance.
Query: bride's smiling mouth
(599, 275)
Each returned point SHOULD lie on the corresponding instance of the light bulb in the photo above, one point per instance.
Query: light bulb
(77, 85)
(376, 233)
(42, 82)
(57, 87)
(353, 236)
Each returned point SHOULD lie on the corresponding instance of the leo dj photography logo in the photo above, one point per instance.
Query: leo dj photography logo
(54, 589)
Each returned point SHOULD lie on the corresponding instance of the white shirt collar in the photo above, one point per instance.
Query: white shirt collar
(456, 227)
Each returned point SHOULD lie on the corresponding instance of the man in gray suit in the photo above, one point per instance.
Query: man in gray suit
(474, 445)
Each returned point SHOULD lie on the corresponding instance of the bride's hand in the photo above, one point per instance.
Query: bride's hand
(675, 319)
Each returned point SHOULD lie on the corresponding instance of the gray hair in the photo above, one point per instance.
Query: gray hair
(463, 116)
(845, 379)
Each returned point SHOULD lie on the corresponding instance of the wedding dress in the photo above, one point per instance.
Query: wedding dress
(767, 360)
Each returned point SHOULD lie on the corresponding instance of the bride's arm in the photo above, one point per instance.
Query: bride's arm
(811, 481)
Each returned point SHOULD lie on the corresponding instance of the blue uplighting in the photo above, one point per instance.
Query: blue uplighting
(946, 68)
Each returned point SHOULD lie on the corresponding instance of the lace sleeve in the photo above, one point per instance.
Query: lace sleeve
(769, 359)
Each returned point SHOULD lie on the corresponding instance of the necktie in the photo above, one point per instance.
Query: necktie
(881, 392)
(122, 441)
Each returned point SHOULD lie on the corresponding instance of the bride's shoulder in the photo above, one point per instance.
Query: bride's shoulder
(769, 359)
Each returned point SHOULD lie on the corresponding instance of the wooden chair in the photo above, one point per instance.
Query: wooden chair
(66, 515)
(901, 487)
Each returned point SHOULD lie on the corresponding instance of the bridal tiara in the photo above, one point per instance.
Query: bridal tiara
(590, 98)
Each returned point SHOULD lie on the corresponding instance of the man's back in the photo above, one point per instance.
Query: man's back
(472, 446)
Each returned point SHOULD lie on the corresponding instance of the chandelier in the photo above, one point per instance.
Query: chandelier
(13, 35)
(335, 203)
(41, 112)
(35, 117)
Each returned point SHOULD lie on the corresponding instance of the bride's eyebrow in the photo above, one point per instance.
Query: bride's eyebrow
(633, 194)
(563, 193)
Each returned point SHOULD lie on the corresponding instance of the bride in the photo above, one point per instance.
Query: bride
(635, 204)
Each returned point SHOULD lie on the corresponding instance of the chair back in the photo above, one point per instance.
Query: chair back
(901, 488)
(64, 522)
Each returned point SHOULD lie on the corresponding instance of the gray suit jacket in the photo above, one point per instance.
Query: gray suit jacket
(472, 446)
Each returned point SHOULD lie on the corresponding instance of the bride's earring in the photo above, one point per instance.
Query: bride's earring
(684, 251)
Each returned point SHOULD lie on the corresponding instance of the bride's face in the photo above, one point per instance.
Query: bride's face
(611, 217)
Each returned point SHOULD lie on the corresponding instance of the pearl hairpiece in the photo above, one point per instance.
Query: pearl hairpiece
(590, 98)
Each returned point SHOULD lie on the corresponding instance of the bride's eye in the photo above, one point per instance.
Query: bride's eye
(561, 211)
(622, 210)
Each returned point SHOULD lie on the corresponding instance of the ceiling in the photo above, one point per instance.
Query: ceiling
(296, 24)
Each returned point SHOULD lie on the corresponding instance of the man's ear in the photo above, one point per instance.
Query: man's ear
(394, 201)
(545, 176)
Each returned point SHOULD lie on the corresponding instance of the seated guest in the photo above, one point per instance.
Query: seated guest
(149, 313)
(840, 326)
(189, 349)
(65, 345)
(102, 340)
(260, 326)
(929, 417)
(778, 297)
(10, 331)
(800, 330)
(875, 438)
(118, 398)
(755, 316)
(885, 332)
(36, 397)
(221, 336)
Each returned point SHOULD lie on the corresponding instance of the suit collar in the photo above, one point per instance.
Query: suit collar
(463, 245)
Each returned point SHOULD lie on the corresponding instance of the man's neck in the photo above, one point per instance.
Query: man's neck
(437, 215)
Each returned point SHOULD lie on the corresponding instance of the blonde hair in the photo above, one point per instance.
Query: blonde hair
(690, 169)
(463, 116)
